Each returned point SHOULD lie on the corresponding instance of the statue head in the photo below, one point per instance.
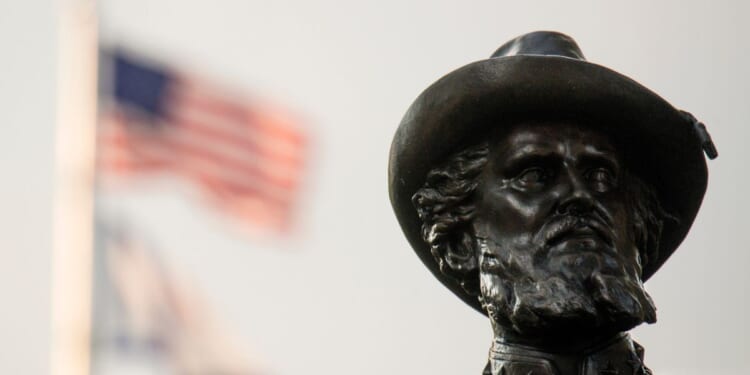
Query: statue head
(544, 190)
(544, 224)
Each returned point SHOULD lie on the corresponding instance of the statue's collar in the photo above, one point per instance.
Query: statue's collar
(618, 356)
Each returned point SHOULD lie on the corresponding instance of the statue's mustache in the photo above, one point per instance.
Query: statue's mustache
(558, 228)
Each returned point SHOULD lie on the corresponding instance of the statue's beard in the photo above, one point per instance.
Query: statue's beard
(580, 293)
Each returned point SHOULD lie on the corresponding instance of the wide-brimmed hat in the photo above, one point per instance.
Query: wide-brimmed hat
(543, 75)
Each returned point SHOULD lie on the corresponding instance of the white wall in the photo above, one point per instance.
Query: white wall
(359, 298)
(356, 299)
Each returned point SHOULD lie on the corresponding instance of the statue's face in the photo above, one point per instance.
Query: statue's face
(555, 244)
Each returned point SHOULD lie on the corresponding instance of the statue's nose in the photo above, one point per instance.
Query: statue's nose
(575, 197)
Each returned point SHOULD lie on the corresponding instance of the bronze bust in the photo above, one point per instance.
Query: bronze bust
(544, 190)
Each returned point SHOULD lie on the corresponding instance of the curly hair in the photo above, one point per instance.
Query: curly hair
(446, 206)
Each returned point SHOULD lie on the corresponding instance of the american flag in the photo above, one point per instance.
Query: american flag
(247, 155)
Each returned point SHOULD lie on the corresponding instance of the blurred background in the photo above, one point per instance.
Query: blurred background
(199, 187)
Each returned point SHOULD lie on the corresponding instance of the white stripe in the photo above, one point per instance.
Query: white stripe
(198, 165)
(248, 158)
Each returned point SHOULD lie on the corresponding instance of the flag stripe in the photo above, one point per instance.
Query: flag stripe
(194, 155)
(249, 159)
(248, 143)
(269, 122)
(200, 170)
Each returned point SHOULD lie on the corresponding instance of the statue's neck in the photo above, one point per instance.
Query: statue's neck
(574, 341)
(616, 354)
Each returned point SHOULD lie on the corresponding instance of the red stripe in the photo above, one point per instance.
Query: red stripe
(183, 152)
(250, 208)
(125, 159)
(240, 114)
(238, 166)
(183, 143)
(246, 143)
(225, 187)
(201, 176)
(274, 125)
(264, 216)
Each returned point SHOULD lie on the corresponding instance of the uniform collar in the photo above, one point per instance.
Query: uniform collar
(617, 356)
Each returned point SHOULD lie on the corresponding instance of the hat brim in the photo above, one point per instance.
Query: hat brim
(658, 144)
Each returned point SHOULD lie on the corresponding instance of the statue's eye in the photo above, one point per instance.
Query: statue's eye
(602, 179)
(532, 177)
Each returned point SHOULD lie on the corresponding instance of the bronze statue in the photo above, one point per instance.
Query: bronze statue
(543, 190)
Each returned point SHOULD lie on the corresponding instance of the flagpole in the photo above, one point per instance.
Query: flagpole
(73, 216)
